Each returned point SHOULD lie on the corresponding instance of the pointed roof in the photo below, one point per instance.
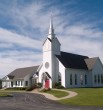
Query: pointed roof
(22, 72)
(51, 34)
(51, 29)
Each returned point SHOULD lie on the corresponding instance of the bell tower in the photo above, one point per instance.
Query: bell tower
(51, 47)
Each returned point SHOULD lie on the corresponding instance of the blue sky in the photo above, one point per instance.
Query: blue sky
(24, 25)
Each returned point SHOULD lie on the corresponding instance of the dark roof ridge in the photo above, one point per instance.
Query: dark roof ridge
(74, 54)
(92, 58)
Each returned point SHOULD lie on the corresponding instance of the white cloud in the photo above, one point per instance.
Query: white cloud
(77, 37)
(21, 56)
(85, 47)
(30, 16)
(80, 30)
(9, 65)
(6, 45)
(11, 60)
(20, 40)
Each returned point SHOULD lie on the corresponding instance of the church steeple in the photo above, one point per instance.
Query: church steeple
(51, 48)
(51, 29)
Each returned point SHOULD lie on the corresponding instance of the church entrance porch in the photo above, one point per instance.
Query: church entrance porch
(46, 80)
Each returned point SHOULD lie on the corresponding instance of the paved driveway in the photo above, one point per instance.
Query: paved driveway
(28, 101)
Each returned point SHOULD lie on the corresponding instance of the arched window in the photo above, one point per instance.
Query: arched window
(75, 79)
(102, 78)
(85, 79)
(59, 78)
(70, 79)
(81, 79)
(95, 79)
(98, 78)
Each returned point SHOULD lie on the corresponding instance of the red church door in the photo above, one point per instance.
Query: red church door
(47, 84)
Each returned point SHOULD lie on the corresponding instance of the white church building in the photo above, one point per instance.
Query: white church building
(71, 70)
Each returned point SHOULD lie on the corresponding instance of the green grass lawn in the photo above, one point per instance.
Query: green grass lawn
(86, 97)
(5, 95)
(11, 90)
(57, 93)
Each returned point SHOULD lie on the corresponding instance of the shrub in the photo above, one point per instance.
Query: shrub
(32, 87)
(39, 85)
(45, 90)
(57, 86)
(16, 88)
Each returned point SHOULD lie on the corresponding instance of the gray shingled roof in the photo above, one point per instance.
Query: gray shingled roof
(91, 62)
(22, 72)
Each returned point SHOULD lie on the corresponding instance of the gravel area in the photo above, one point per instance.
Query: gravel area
(31, 101)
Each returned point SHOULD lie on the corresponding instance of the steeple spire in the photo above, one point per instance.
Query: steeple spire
(51, 29)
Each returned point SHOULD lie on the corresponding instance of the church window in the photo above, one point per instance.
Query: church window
(95, 79)
(81, 79)
(70, 79)
(46, 65)
(98, 78)
(59, 78)
(102, 78)
(75, 79)
(85, 79)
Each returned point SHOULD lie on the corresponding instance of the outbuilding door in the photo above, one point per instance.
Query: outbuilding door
(11, 83)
